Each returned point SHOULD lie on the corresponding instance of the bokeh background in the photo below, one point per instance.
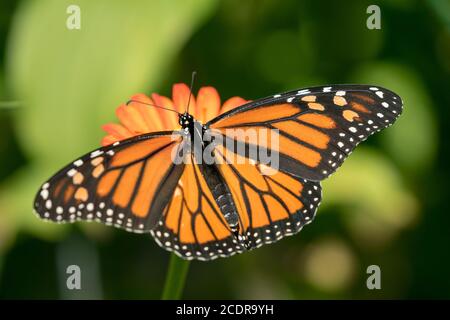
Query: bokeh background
(387, 205)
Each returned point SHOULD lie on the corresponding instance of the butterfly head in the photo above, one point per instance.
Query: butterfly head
(185, 120)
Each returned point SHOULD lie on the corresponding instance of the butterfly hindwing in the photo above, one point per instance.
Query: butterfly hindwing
(193, 225)
(270, 205)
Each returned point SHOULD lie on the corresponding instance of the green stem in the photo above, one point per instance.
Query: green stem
(175, 279)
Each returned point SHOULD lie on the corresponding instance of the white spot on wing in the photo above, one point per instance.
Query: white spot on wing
(44, 194)
(78, 163)
(96, 153)
(304, 91)
(71, 172)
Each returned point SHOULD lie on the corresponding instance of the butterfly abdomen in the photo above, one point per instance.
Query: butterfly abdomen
(222, 196)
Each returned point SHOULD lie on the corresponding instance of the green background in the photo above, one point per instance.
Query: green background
(386, 206)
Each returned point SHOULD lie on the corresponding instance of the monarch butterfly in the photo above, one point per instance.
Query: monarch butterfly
(204, 211)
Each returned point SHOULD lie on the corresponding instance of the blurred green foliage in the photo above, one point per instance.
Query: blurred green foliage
(386, 205)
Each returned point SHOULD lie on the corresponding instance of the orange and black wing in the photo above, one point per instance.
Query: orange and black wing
(127, 184)
(315, 129)
(193, 225)
(271, 204)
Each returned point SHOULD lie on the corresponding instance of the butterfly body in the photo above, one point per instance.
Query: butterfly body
(206, 191)
(196, 132)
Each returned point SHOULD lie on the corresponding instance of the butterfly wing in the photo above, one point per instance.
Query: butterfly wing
(126, 184)
(271, 204)
(315, 128)
(193, 225)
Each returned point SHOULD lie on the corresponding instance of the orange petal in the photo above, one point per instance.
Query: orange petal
(208, 104)
(109, 139)
(232, 103)
(118, 131)
(130, 117)
(149, 114)
(138, 118)
(180, 96)
(169, 119)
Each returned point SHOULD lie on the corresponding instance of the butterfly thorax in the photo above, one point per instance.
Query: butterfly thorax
(185, 120)
(189, 124)
(195, 130)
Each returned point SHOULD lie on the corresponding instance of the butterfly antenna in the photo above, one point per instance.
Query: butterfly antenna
(150, 104)
(190, 90)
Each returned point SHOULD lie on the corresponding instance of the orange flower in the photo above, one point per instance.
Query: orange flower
(137, 118)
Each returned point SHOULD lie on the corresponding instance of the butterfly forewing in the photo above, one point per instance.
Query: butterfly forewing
(316, 128)
(118, 185)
